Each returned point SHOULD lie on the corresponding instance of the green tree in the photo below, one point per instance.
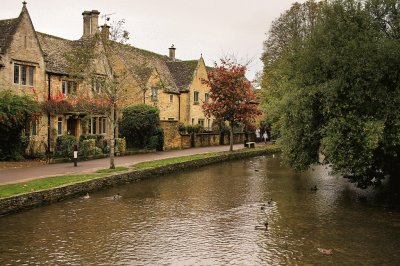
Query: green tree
(139, 123)
(339, 92)
(16, 112)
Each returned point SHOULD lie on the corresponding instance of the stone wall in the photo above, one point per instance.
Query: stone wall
(172, 138)
(39, 198)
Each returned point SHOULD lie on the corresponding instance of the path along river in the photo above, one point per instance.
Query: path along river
(207, 216)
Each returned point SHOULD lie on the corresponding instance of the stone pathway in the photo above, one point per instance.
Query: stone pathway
(11, 174)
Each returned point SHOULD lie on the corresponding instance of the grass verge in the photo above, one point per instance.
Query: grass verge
(116, 169)
(52, 182)
(163, 162)
(44, 183)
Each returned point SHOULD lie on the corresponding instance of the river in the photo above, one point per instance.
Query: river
(207, 216)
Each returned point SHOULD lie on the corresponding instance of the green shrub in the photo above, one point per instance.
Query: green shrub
(87, 147)
(15, 114)
(97, 137)
(65, 146)
(120, 145)
(138, 124)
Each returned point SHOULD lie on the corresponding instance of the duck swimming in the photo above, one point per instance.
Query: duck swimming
(86, 196)
(118, 196)
(260, 227)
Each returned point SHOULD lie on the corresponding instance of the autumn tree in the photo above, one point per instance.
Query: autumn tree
(231, 94)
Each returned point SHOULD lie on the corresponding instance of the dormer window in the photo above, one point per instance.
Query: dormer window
(24, 74)
(98, 84)
(68, 87)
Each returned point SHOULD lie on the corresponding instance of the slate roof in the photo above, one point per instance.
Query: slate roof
(54, 49)
(141, 64)
(176, 76)
(7, 29)
(182, 72)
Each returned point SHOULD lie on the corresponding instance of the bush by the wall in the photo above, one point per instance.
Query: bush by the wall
(120, 145)
(16, 112)
(138, 124)
(65, 146)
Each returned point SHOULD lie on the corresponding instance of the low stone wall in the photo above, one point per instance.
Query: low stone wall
(39, 198)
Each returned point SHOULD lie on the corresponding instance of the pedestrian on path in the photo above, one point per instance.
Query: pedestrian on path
(258, 135)
(265, 137)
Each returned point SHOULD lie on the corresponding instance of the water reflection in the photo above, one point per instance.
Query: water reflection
(208, 216)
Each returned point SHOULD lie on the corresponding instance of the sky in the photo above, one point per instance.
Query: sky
(212, 28)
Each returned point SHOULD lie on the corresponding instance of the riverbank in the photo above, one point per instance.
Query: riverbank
(82, 184)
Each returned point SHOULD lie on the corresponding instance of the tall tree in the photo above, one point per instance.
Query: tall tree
(339, 91)
(94, 62)
(232, 98)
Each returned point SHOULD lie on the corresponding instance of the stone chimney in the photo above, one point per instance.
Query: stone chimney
(105, 31)
(172, 53)
(90, 22)
(95, 21)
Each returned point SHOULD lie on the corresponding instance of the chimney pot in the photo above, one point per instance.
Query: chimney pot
(172, 53)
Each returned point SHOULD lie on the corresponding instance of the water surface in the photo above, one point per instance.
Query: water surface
(207, 217)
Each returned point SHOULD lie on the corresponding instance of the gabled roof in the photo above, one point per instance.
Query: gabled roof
(141, 64)
(7, 30)
(182, 72)
(54, 49)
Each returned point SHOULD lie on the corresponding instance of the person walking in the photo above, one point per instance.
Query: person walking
(258, 135)
(265, 137)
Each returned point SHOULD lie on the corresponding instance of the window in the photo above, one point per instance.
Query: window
(171, 98)
(34, 128)
(154, 94)
(102, 125)
(60, 126)
(171, 119)
(24, 74)
(193, 120)
(68, 87)
(97, 84)
(201, 122)
(206, 97)
(196, 97)
(93, 125)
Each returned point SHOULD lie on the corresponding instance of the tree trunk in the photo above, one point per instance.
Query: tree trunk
(112, 137)
(231, 136)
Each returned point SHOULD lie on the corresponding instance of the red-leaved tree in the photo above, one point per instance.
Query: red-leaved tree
(231, 94)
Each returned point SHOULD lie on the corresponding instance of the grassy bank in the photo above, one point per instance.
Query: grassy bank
(52, 182)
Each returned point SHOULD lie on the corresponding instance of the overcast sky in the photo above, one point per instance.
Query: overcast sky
(213, 28)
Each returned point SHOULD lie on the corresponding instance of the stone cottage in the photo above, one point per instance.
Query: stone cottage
(36, 64)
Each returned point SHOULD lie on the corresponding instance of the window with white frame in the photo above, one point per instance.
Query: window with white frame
(201, 122)
(102, 125)
(196, 97)
(24, 74)
(92, 125)
(68, 87)
(206, 96)
(60, 126)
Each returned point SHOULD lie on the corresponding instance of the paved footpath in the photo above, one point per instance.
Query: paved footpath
(8, 176)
